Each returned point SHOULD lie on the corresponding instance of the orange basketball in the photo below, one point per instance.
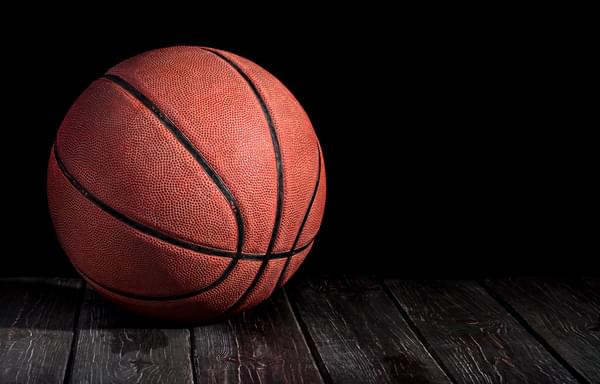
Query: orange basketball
(187, 183)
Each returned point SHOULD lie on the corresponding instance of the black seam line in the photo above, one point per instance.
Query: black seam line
(140, 297)
(187, 144)
(155, 233)
(277, 150)
(95, 201)
(308, 209)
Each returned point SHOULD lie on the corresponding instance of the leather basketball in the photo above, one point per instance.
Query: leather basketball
(187, 183)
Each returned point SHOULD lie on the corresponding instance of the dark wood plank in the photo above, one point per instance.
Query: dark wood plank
(359, 334)
(114, 346)
(37, 318)
(474, 336)
(566, 314)
(264, 345)
(593, 282)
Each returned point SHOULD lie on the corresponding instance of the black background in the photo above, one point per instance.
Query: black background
(451, 150)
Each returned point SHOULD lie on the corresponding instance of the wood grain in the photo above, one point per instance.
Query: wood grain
(347, 329)
(36, 328)
(264, 345)
(594, 283)
(474, 336)
(359, 334)
(566, 314)
(117, 347)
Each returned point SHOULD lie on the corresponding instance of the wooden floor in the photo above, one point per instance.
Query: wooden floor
(319, 330)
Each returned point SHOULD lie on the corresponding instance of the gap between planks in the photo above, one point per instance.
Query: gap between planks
(417, 332)
(500, 290)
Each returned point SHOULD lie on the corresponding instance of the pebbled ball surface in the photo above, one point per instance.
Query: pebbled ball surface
(166, 192)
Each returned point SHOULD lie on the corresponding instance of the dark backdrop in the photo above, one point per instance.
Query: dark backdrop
(450, 151)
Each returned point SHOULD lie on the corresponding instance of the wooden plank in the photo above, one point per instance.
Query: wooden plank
(593, 282)
(264, 345)
(474, 336)
(359, 335)
(37, 318)
(566, 314)
(115, 346)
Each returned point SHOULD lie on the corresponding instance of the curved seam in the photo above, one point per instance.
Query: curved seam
(141, 297)
(155, 233)
(308, 209)
(278, 163)
(187, 144)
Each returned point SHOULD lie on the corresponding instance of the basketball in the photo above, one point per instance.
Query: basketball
(186, 184)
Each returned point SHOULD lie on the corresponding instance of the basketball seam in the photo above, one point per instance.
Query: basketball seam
(306, 215)
(140, 297)
(192, 150)
(90, 198)
(279, 166)
(146, 297)
(187, 144)
(155, 233)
